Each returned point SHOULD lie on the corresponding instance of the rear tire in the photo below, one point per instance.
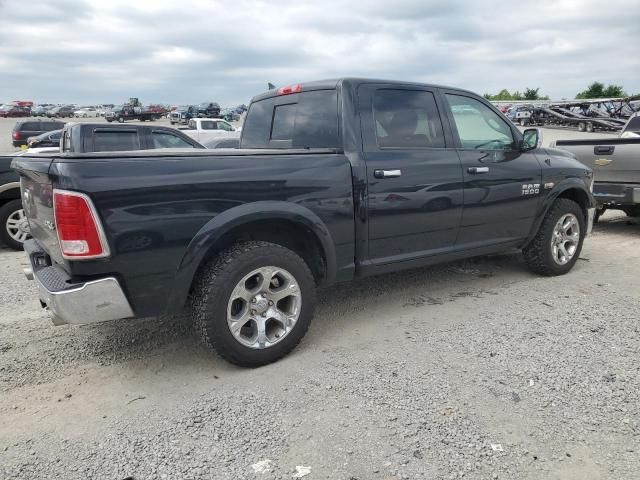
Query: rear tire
(581, 127)
(10, 233)
(589, 127)
(233, 281)
(543, 255)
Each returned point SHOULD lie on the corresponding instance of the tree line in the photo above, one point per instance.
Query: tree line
(595, 90)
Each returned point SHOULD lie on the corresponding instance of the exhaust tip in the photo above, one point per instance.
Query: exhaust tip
(28, 272)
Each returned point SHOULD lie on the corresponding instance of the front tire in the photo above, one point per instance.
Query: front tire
(253, 303)
(557, 245)
(14, 229)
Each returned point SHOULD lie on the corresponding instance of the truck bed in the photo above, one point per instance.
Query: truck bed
(160, 201)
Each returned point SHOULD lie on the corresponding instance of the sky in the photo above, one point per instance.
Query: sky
(191, 51)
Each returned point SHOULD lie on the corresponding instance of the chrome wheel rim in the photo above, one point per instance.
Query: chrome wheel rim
(18, 226)
(264, 307)
(565, 239)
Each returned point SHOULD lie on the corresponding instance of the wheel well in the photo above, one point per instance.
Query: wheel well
(8, 195)
(292, 235)
(578, 196)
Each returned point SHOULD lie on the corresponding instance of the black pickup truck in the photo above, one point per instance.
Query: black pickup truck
(333, 180)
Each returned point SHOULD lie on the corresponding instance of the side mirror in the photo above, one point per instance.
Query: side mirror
(531, 138)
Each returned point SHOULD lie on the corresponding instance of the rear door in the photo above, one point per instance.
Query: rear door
(501, 183)
(414, 181)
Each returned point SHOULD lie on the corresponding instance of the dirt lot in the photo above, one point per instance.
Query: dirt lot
(476, 370)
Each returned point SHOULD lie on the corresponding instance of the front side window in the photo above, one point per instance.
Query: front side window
(478, 126)
(225, 126)
(168, 140)
(407, 119)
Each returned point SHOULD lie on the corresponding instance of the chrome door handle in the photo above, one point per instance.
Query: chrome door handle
(478, 170)
(387, 173)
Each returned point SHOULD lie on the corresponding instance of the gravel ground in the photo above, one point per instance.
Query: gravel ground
(475, 370)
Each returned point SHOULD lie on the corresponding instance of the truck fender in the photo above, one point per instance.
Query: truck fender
(558, 189)
(217, 227)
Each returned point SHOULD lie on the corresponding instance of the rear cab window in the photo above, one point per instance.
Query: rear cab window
(115, 140)
(308, 119)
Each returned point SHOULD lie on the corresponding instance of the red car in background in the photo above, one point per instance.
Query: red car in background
(159, 109)
(7, 111)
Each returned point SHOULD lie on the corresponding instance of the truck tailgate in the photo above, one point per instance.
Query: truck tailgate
(37, 198)
(615, 160)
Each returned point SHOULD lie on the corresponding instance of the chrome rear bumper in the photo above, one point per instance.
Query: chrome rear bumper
(69, 302)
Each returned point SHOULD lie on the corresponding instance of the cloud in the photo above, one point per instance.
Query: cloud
(190, 51)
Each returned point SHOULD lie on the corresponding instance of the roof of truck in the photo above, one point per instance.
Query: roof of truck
(332, 83)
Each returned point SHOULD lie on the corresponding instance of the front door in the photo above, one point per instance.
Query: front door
(502, 187)
(414, 182)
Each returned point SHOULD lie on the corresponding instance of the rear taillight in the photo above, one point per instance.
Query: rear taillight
(16, 135)
(288, 90)
(79, 230)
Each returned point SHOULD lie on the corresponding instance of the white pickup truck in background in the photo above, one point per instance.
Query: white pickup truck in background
(208, 129)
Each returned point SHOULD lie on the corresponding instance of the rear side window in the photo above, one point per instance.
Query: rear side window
(207, 125)
(304, 120)
(407, 119)
(31, 126)
(115, 140)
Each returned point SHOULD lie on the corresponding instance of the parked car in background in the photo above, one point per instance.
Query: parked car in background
(41, 110)
(205, 129)
(101, 137)
(159, 110)
(122, 113)
(182, 114)
(23, 130)
(85, 112)
(47, 139)
(616, 169)
(80, 138)
(103, 109)
(230, 114)
(8, 111)
(519, 114)
(242, 238)
(65, 111)
(208, 110)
